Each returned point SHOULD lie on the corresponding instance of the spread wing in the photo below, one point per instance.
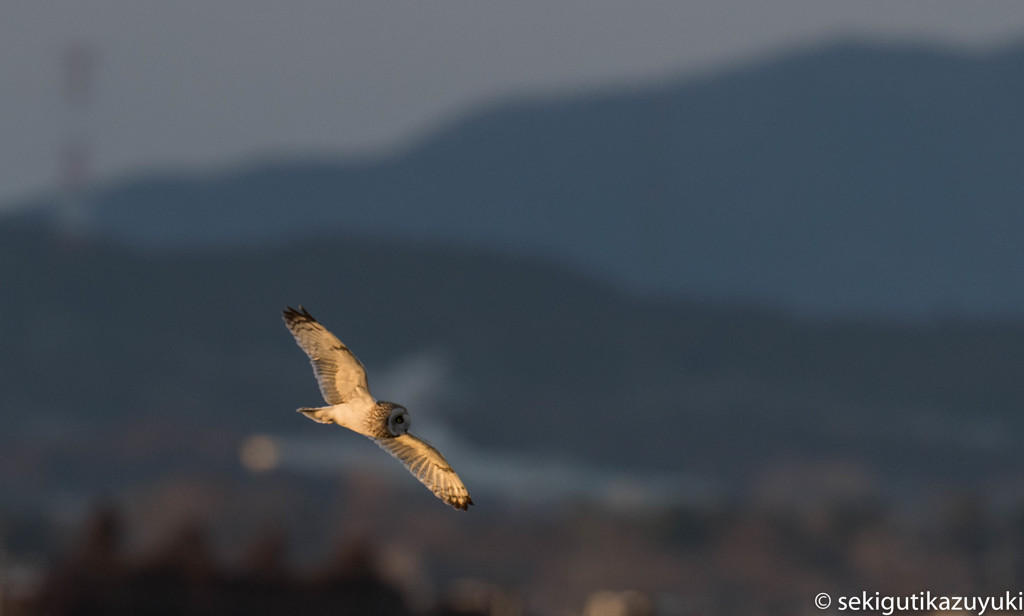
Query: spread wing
(338, 372)
(429, 466)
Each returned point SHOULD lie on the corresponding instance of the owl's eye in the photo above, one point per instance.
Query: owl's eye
(398, 421)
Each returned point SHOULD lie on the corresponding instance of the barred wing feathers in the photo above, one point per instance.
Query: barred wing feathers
(338, 372)
(429, 466)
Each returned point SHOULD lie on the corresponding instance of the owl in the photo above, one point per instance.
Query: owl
(343, 384)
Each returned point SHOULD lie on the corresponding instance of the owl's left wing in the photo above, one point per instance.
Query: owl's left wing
(339, 373)
(429, 466)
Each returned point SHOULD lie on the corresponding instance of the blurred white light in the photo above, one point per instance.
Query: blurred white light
(259, 453)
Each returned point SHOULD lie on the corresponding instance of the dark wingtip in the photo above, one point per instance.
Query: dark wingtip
(291, 314)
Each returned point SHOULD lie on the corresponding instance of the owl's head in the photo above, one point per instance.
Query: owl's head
(398, 419)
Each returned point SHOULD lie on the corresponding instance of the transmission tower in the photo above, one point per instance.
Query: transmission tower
(75, 156)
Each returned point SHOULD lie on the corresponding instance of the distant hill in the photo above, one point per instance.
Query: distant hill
(840, 180)
(104, 345)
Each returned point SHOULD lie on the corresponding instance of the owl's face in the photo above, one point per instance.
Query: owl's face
(398, 420)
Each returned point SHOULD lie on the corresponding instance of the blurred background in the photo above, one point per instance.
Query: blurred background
(713, 305)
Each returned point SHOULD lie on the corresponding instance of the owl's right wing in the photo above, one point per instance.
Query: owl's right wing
(338, 372)
(429, 466)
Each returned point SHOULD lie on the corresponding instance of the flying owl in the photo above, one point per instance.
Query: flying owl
(342, 381)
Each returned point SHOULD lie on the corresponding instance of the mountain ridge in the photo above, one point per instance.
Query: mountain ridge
(850, 179)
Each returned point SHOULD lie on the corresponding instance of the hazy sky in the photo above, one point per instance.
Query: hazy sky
(213, 83)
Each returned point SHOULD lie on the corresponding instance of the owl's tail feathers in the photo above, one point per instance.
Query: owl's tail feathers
(320, 415)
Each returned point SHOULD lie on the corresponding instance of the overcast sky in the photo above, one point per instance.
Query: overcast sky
(205, 84)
